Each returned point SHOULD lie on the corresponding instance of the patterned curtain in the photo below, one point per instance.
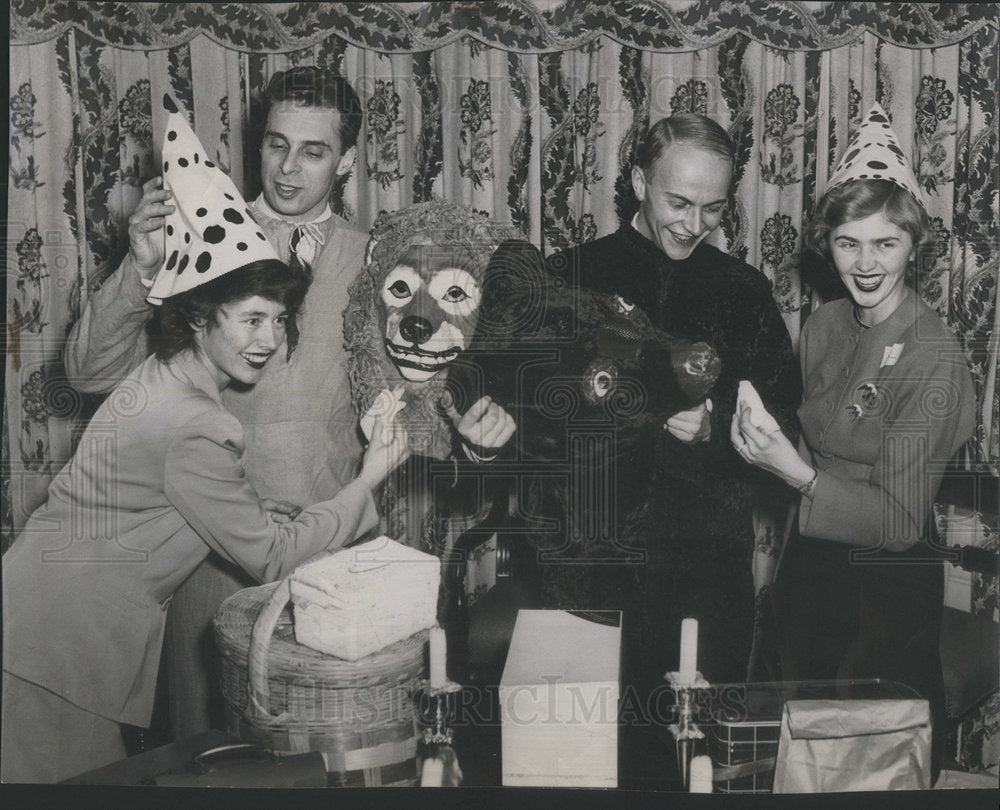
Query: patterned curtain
(526, 110)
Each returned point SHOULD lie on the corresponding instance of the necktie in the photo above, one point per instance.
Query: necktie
(304, 243)
(296, 260)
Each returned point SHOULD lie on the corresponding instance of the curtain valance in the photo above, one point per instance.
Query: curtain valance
(520, 26)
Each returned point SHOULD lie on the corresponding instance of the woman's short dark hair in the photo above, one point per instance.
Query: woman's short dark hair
(270, 279)
(690, 128)
(314, 87)
(857, 199)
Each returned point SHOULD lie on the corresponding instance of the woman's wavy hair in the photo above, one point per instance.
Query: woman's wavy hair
(269, 278)
(858, 199)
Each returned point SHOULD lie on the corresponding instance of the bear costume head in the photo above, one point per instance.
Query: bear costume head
(590, 382)
(414, 310)
(556, 356)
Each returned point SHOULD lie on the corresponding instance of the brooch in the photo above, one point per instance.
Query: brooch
(869, 393)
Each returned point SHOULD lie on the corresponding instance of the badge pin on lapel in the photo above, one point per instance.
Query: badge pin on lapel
(890, 355)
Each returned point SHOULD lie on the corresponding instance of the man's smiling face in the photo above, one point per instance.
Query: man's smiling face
(301, 159)
(681, 197)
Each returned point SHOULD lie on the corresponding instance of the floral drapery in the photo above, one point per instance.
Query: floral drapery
(527, 110)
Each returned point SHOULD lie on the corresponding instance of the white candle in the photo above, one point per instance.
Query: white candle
(689, 650)
(700, 779)
(439, 658)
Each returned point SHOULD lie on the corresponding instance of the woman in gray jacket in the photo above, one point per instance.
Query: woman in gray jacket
(156, 484)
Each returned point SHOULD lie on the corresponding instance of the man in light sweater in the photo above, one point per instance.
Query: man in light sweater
(303, 443)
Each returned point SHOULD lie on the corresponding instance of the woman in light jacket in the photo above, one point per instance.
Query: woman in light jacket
(155, 485)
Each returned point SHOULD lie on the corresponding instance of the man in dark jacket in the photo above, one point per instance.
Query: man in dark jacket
(693, 516)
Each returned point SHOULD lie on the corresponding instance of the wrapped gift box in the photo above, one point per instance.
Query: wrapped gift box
(559, 700)
(831, 746)
(745, 724)
(361, 599)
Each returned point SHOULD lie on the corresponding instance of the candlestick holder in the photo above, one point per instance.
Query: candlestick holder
(440, 731)
(685, 731)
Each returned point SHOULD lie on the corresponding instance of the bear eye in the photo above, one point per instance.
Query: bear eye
(400, 289)
(455, 294)
(602, 383)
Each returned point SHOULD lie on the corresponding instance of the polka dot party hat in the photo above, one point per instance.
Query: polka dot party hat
(210, 232)
(874, 154)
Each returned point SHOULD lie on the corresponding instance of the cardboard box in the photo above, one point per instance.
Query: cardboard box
(559, 700)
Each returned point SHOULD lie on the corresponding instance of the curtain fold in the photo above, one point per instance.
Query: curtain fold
(529, 113)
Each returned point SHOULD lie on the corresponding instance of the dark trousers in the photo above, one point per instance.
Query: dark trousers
(193, 669)
(849, 618)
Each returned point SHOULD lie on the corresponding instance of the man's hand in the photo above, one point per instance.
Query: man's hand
(280, 511)
(485, 426)
(692, 426)
(145, 228)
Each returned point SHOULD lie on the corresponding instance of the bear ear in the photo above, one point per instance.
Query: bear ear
(370, 249)
(517, 260)
(518, 251)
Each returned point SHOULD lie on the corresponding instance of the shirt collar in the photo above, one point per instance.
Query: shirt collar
(901, 319)
(654, 249)
(323, 216)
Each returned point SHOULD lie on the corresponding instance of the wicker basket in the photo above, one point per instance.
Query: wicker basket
(294, 699)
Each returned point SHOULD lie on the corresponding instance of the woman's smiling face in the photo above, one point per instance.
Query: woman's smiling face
(241, 341)
(871, 256)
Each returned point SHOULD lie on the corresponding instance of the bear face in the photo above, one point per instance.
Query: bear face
(414, 309)
(428, 309)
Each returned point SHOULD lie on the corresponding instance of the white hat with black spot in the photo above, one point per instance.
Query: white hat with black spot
(210, 232)
(874, 154)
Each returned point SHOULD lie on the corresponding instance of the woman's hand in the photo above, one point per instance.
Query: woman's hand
(768, 451)
(145, 228)
(387, 449)
(280, 511)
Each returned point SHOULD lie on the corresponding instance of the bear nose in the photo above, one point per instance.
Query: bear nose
(415, 329)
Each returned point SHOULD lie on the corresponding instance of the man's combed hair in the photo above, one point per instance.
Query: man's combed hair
(689, 128)
(858, 199)
(270, 279)
(313, 87)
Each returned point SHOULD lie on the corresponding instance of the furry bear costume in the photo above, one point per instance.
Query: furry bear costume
(586, 376)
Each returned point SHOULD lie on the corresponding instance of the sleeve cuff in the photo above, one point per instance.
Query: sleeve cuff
(472, 455)
(824, 515)
(134, 284)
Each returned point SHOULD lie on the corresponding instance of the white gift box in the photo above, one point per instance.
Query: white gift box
(361, 599)
(559, 700)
